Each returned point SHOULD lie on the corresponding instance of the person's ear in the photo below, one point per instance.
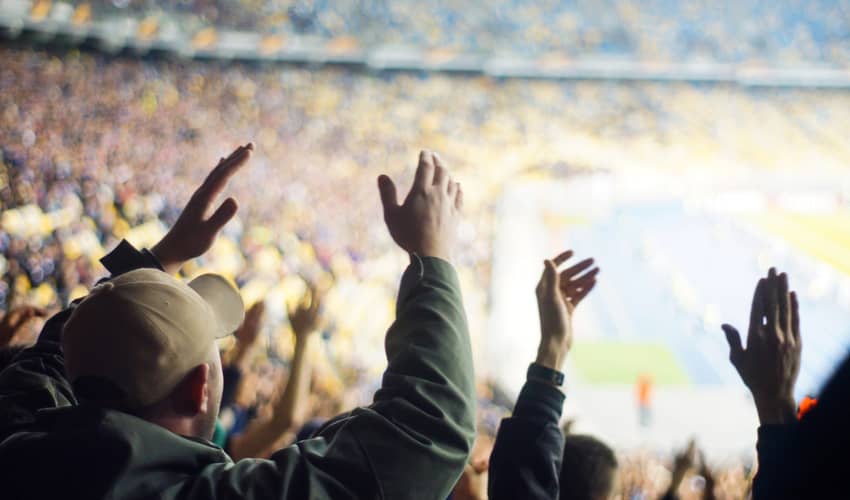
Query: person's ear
(195, 390)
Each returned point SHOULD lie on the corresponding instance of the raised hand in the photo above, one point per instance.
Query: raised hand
(426, 223)
(14, 320)
(196, 228)
(558, 294)
(305, 318)
(248, 333)
(682, 463)
(707, 474)
(771, 362)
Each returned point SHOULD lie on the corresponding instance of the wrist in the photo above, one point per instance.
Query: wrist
(432, 253)
(302, 338)
(776, 411)
(551, 354)
(168, 263)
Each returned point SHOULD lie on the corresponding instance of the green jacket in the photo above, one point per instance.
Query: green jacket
(411, 442)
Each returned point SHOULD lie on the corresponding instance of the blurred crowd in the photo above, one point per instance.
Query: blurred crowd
(659, 30)
(96, 149)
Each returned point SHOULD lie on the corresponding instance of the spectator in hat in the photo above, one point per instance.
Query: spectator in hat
(119, 396)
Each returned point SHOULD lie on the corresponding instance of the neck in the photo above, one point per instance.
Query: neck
(176, 424)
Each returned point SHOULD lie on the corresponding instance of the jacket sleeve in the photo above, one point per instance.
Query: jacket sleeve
(412, 442)
(36, 379)
(526, 459)
(776, 446)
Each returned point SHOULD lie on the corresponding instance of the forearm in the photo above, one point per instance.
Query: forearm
(415, 438)
(241, 358)
(775, 411)
(289, 410)
(526, 459)
(672, 492)
(258, 438)
(428, 388)
(776, 448)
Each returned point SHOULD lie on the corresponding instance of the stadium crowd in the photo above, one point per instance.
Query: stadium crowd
(657, 30)
(98, 150)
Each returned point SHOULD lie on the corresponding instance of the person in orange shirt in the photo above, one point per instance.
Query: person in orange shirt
(644, 400)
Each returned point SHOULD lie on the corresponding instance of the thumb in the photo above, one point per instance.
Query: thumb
(736, 349)
(551, 279)
(223, 215)
(389, 197)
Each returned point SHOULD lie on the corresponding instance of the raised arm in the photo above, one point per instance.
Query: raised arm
(260, 436)
(769, 367)
(426, 402)
(413, 441)
(526, 460)
(36, 380)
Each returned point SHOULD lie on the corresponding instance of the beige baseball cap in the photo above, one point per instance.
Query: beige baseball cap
(144, 331)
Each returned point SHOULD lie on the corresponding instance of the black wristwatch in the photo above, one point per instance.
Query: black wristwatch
(545, 374)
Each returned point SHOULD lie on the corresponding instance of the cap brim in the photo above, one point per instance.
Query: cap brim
(224, 300)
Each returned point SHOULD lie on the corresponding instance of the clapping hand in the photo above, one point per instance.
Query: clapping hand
(305, 318)
(248, 333)
(426, 223)
(196, 228)
(558, 294)
(771, 362)
(14, 320)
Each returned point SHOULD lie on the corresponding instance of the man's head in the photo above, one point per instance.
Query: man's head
(589, 469)
(144, 343)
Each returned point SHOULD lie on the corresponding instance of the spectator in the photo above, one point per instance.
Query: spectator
(260, 437)
(529, 450)
(421, 418)
(589, 469)
(769, 367)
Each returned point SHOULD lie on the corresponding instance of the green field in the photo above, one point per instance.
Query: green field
(618, 362)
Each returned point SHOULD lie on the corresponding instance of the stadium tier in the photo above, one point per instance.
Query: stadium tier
(750, 43)
(77, 178)
(653, 30)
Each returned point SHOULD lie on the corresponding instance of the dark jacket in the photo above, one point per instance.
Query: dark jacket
(526, 458)
(411, 442)
(809, 459)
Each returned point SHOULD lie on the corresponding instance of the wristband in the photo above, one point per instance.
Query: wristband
(545, 374)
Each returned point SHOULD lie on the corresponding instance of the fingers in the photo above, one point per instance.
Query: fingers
(18, 316)
(27, 312)
(441, 173)
(795, 317)
(772, 306)
(582, 292)
(217, 179)
(784, 305)
(425, 171)
(574, 270)
(223, 215)
(257, 309)
(562, 257)
(389, 195)
(226, 167)
(548, 281)
(315, 300)
(584, 278)
(459, 198)
(452, 190)
(736, 349)
(757, 310)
